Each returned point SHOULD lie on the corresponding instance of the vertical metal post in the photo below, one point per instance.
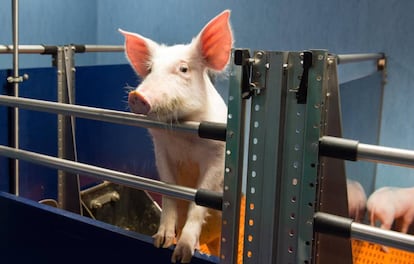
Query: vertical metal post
(68, 183)
(332, 191)
(233, 169)
(264, 158)
(289, 246)
(15, 80)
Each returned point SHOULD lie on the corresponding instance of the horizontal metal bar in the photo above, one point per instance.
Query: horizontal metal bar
(34, 49)
(381, 236)
(346, 227)
(347, 149)
(104, 48)
(351, 58)
(126, 179)
(112, 116)
(393, 156)
(45, 49)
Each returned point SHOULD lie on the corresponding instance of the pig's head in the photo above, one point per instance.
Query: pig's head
(175, 84)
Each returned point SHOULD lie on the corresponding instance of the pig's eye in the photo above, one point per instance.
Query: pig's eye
(183, 68)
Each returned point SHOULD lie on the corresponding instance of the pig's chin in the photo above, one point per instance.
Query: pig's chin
(169, 117)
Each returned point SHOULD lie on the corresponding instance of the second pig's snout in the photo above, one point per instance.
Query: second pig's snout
(138, 104)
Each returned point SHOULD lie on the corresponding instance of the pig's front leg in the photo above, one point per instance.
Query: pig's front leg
(165, 235)
(212, 179)
(189, 239)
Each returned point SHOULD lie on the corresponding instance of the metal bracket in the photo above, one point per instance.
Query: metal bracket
(250, 83)
(18, 79)
(242, 58)
(103, 199)
(302, 92)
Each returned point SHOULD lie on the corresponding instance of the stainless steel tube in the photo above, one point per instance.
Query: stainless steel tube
(101, 173)
(345, 227)
(40, 49)
(33, 49)
(383, 237)
(351, 58)
(394, 156)
(119, 117)
(104, 48)
(347, 149)
(15, 79)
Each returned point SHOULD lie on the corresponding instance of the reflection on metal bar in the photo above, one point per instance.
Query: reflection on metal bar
(351, 58)
(347, 149)
(126, 179)
(346, 227)
(119, 117)
(44, 49)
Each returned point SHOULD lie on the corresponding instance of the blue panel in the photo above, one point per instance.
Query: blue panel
(38, 132)
(35, 233)
(4, 136)
(119, 147)
(361, 102)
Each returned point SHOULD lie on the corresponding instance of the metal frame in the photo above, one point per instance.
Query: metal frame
(233, 168)
(264, 158)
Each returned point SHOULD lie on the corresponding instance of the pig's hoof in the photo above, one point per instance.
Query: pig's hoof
(184, 249)
(163, 239)
(182, 253)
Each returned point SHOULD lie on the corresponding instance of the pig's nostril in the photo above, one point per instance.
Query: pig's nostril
(138, 103)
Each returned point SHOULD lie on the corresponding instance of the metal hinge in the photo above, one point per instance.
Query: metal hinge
(251, 83)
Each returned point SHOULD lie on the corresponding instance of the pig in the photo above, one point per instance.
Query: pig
(176, 88)
(357, 200)
(390, 203)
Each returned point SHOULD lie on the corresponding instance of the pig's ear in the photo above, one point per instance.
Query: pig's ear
(138, 51)
(215, 41)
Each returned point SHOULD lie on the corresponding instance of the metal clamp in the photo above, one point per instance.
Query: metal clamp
(100, 201)
(302, 92)
(18, 79)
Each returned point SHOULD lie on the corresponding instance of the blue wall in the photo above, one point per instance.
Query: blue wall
(339, 26)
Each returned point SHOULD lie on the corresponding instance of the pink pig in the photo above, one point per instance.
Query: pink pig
(176, 88)
(356, 200)
(388, 204)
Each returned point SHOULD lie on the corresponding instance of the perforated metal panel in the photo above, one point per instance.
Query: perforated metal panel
(368, 253)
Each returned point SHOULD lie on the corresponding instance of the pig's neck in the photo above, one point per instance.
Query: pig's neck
(214, 108)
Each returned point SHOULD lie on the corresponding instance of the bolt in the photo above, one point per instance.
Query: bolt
(259, 55)
(95, 204)
(115, 197)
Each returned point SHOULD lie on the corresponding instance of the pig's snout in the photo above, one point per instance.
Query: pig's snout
(137, 103)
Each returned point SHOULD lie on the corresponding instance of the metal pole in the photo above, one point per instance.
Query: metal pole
(41, 49)
(126, 179)
(34, 49)
(347, 228)
(351, 58)
(382, 236)
(103, 48)
(119, 117)
(348, 149)
(394, 156)
(15, 13)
